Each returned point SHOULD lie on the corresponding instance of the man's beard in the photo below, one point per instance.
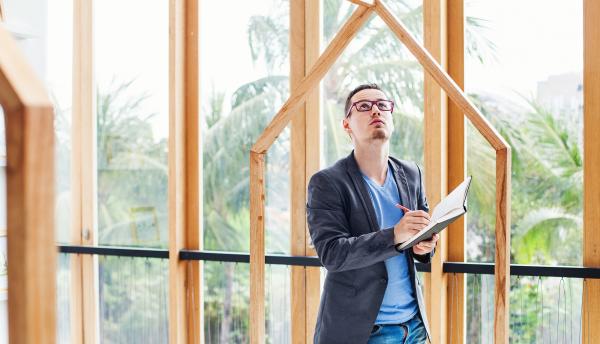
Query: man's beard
(379, 135)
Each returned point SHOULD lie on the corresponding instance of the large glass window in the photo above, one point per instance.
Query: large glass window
(132, 111)
(59, 76)
(133, 303)
(526, 77)
(131, 68)
(244, 80)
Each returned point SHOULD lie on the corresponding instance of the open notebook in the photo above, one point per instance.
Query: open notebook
(448, 210)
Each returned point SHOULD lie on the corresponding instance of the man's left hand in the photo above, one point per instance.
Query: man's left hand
(426, 246)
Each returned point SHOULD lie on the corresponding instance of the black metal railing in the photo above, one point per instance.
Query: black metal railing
(545, 306)
(278, 259)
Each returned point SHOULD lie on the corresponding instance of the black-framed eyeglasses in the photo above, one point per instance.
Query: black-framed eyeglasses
(367, 105)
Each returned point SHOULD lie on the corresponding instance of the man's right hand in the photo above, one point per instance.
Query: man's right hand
(410, 224)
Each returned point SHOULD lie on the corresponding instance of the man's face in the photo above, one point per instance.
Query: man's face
(369, 126)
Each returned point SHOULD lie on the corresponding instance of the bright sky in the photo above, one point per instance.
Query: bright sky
(534, 38)
(225, 59)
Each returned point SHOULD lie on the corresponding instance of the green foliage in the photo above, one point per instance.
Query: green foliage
(132, 169)
(133, 300)
(132, 166)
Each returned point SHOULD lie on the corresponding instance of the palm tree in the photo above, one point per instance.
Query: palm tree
(375, 55)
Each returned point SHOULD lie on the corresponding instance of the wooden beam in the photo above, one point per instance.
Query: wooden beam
(193, 163)
(29, 128)
(329, 56)
(362, 3)
(257, 247)
(304, 51)
(30, 214)
(180, 142)
(312, 36)
(298, 173)
(591, 167)
(84, 297)
(441, 77)
(502, 266)
(456, 311)
(436, 168)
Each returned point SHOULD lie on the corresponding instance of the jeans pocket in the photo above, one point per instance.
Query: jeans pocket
(376, 329)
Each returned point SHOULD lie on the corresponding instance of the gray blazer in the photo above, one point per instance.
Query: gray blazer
(344, 230)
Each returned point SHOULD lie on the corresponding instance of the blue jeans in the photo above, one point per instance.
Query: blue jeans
(412, 331)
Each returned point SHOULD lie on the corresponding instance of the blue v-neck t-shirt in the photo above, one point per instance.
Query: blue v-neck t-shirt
(399, 303)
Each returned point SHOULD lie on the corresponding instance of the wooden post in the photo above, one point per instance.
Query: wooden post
(456, 311)
(312, 133)
(84, 327)
(257, 247)
(304, 51)
(29, 123)
(591, 168)
(184, 204)
(193, 175)
(502, 266)
(436, 168)
(298, 172)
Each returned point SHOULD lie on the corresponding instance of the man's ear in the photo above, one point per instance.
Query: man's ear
(346, 126)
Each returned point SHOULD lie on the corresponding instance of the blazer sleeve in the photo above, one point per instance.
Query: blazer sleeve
(422, 205)
(330, 231)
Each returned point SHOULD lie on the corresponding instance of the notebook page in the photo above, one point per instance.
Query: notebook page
(453, 201)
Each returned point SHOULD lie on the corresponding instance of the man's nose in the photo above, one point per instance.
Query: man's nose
(375, 110)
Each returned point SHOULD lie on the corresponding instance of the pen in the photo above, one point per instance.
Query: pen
(405, 209)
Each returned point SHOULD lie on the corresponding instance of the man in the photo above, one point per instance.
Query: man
(371, 292)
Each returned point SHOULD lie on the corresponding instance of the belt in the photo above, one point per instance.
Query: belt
(404, 327)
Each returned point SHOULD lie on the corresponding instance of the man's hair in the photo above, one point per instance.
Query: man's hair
(356, 90)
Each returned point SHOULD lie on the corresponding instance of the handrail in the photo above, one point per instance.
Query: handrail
(298, 96)
(30, 198)
(473, 268)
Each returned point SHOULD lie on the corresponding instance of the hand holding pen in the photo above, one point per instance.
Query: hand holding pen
(410, 224)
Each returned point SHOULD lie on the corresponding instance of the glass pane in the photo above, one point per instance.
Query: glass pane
(277, 304)
(133, 299)
(226, 299)
(59, 78)
(374, 56)
(481, 220)
(542, 309)
(63, 299)
(243, 82)
(526, 77)
(132, 97)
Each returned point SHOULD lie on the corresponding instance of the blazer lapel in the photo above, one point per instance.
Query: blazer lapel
(359, 184)
(402, 184)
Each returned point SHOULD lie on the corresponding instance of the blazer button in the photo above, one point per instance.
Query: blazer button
(383, 280)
